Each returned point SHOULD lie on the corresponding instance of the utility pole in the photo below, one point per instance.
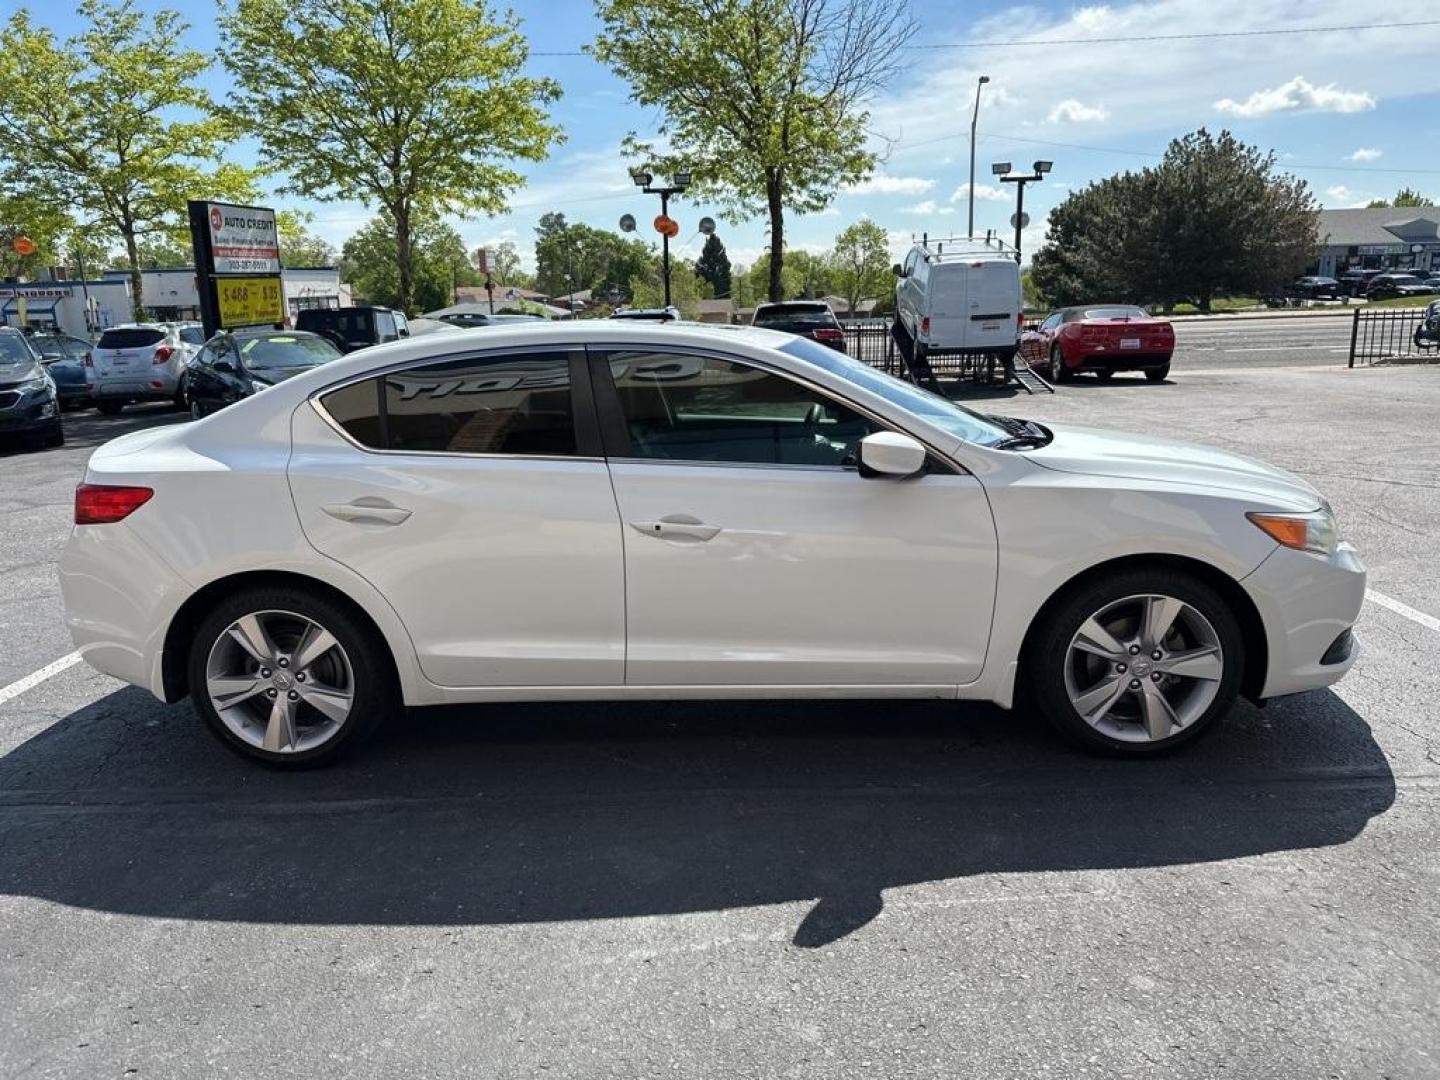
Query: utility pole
(1002, 170)
(974, 119)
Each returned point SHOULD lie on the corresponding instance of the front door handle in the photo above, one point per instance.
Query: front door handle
(368, 510)
(681, 527)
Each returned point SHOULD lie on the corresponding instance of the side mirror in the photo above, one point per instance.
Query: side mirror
(898, 270)
(889, 453)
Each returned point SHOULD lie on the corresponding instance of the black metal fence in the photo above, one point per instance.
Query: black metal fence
(869, 341)
(1389, 333)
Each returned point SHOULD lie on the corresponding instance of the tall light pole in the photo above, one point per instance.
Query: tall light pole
(1002, 170)
(678, 183)
(974, 119)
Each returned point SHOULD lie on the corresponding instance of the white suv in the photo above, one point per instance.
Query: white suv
(139, 362)
(960, 297)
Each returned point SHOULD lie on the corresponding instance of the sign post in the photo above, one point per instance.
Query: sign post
(237, 265)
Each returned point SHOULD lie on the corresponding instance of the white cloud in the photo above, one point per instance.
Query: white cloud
(1295, 96)
(885, 184)
(1339, 191)
(982, 192)
(1071, 111)
(927, 208)
(1365, 153)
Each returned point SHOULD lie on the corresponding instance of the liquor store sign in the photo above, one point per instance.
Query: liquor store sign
(249, 301)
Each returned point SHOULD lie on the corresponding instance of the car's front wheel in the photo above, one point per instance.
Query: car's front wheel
(289, 677)
(1136, 662)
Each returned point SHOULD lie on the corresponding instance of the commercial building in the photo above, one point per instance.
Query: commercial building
(172, 294)
(72, 307)
(1387, 238)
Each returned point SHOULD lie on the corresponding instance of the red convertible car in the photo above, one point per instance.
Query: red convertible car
(1100, 338)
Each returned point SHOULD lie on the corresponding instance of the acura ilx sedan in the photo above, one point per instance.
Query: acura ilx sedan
(610, 510)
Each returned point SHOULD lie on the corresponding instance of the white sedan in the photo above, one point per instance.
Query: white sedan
(624, 511)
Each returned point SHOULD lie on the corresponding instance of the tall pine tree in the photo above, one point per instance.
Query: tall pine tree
(714, 266)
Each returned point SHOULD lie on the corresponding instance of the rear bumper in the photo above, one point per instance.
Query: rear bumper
(1308, 606)
(1109, 358)
(154, 388)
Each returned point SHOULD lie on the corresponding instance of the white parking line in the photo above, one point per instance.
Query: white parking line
(35, 678)
(1427, 621)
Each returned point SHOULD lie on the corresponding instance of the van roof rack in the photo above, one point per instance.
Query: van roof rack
(990, 243)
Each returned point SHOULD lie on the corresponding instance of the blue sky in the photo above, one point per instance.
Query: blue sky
(1355, 113)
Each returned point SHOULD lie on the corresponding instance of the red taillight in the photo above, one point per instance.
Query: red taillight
(89, 360)
(827, 333)
(163, 353)
(1020, 321)
(104, 504)
(925, 325)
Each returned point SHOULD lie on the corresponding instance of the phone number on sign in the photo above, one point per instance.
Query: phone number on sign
(238, 265)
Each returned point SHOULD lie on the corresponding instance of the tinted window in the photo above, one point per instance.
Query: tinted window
(489, 405)
(131, 338)
(692, 408)
(192, 335)
(356, 408)
(384, 326)
(796, 318)
(1115, 313)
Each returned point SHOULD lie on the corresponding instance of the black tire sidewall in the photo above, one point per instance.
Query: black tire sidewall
(1058, 371)
(375, 696)
(1044, 668)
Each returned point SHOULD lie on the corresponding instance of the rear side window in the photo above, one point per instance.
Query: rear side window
(192, 335)
(482, 405)
(131, 338)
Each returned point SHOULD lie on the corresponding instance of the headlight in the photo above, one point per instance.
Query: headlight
(1314, 532)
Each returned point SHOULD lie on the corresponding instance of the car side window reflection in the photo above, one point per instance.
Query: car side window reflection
(679, 407)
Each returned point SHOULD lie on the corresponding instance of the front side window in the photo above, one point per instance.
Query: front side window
(518, 404)
(678, 407)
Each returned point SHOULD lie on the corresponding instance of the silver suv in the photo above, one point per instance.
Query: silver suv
(139, 362)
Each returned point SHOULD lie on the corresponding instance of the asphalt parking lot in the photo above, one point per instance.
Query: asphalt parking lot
(782, 889)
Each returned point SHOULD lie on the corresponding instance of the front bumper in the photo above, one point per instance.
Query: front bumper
(1308, 604)
(34, 411)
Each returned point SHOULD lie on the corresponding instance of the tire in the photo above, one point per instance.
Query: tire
(1157, 375)
(180, 399)
(352, 677)
(55, 437)
(1060, 676)
(1058, 371)
(109, 408)
(196, 412)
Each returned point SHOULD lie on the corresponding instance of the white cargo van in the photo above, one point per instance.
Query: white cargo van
(960, 297)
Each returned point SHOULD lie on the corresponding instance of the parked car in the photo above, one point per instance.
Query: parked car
(29, 402)
(593, 509)
(1101, 339)
(351, 328)
(138, 362)
(965, 299)
(1389, 286)
(235, 365)
(807, 318)
(1427, 333)
(1355, 282)
(659, 314)
(64, 357)
(1432, 281)
(1315, 287)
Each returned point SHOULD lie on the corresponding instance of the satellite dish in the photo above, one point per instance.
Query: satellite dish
(1019, 221)
(627, 222)
(707, 226)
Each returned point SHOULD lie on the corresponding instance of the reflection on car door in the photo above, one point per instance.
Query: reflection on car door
(756, 554)
(473, 494)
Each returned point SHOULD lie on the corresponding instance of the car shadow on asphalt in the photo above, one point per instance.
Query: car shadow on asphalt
(526, 813)
(87, 429)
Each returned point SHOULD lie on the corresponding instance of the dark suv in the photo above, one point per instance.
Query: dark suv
(807, 318)
(351, 328)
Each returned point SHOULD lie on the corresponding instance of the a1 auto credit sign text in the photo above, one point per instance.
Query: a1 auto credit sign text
(243, 240)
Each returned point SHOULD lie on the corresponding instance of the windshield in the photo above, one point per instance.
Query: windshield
(285, 351)
(932, 408)
(13, 350)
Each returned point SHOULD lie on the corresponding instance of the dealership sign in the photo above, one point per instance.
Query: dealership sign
(243, 239)
(250, 301)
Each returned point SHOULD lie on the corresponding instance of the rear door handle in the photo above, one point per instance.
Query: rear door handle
(367, 510)
(677, 527)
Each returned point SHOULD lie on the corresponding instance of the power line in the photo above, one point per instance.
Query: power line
(1207, 36)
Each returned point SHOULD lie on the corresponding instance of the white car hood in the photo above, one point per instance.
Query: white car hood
(1096, 452)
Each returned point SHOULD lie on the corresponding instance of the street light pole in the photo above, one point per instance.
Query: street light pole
(665, 245)
(974, 119)
(1002, 170)
(678, 183)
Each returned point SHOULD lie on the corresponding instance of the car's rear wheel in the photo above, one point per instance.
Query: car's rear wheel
(1137, 662)
(288, 677)
(109, 408)
(1158, 375)
(1058, 371)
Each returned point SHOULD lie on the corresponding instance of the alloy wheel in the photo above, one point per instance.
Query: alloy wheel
(280, 681)
(1144, 668)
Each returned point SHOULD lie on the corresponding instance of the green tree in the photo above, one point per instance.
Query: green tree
(578, 257)
(505, 267)
(114, 123)
(862, 263)
(763, 101)
(298, 245)
(714, 266)
(417, 106)
(1214, 218)
(647, 287)
(1405, 197)
(163, 252)
(438, 262)
(24, 212)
